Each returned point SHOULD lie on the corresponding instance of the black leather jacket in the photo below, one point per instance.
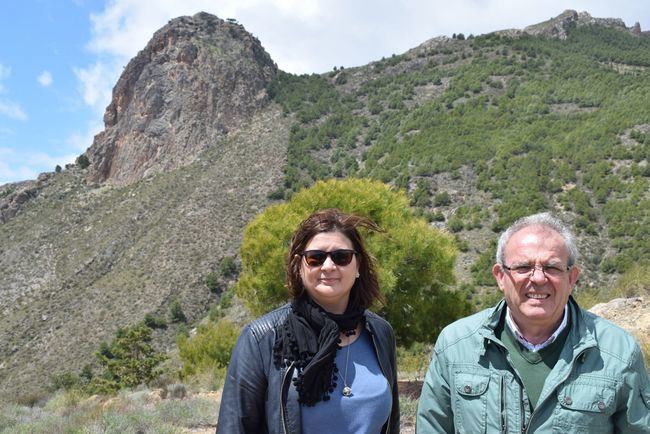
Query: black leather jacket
(260, 398)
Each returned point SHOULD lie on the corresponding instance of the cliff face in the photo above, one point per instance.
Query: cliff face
(198, 78)
(80, 259)
(559, 26)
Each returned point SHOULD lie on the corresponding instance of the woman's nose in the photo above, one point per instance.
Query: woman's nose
(328, 264)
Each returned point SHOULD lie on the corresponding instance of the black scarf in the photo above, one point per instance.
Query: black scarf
(310, 337)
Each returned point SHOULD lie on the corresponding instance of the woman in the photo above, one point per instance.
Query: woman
(322, 363)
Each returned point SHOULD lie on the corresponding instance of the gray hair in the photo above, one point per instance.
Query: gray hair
(545, 219)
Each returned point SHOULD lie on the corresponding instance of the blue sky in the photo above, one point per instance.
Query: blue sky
(59, 59)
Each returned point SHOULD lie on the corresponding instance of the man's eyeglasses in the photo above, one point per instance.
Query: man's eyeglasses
(549, 271)
(316, 258)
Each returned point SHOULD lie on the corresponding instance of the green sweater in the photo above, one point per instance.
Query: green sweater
(532, 366)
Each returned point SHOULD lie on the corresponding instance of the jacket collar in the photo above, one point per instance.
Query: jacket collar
(580, 337)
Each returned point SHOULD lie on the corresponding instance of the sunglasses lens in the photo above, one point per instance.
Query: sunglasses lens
(341, 257)
(315, 258)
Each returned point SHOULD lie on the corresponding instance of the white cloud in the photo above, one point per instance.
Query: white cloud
(305, 36)
(21, 173)
(19, 166)
(123, 29)
(12, 110)
(96, 83)
(10, 172)
(45, 79)
(82, 141)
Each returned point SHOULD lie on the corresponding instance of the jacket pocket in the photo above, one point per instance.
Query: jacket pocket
(470, 401)
(586, 406)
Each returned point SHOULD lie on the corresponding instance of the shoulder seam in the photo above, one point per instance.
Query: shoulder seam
(267, 323)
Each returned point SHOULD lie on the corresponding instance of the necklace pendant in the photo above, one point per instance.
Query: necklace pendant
(347, 391)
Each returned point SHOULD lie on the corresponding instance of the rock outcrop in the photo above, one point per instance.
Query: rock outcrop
(560, 26)
(15, 195)
(631, 314)
(198, 78)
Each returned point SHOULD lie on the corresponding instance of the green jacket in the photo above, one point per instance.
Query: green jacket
(598, 385)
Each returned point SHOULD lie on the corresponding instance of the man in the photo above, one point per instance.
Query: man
(537, 362)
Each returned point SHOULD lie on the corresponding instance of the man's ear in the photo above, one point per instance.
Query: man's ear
(574, 273)
(499, 274)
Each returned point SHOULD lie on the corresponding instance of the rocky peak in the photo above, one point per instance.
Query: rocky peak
(198, 78)
(559, 26)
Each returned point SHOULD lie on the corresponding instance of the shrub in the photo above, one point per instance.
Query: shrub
(154, 322)
(228, 267)
(415, 261)
(441, 199)
(455, 224)
(82, 161)
(64, 381)
(176, 313)
(210, 348)
(635, 282)
(413, 360)
(211, 280)
(174, 391)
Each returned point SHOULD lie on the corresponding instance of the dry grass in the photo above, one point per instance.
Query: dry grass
(142, 411)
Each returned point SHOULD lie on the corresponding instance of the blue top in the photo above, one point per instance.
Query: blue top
(367, 409)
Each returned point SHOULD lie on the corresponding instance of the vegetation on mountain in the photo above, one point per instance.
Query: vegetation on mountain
(128, 360)
(477, 131)
(539, 123)
(414, 260)
(208, 351)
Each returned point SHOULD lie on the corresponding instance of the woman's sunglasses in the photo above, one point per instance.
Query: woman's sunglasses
(316, 258)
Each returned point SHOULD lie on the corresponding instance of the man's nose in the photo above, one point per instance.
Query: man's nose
(537, 275)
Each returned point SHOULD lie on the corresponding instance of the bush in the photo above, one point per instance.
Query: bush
(154, 322)
(209, 349)
(228, 267)
(442, 199)
(211, 280)
(176, 313)
(174, 391)
(63, 381)
(415, 261)
(414, 360)
(635, 282)
(82, 161)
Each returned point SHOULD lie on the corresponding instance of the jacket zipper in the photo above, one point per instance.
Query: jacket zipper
(539, 404)
(504, 423)
(283, 406)
(383, 371)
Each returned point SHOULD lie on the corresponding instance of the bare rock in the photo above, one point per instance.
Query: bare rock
(197, 79)
(631, 314)
(560, 26)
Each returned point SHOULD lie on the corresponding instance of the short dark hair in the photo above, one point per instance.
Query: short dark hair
(365, 290)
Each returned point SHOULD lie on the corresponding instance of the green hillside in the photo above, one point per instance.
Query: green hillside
(532, 123)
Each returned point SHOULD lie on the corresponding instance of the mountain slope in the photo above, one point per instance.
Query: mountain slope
(479, 130)
(80, 260)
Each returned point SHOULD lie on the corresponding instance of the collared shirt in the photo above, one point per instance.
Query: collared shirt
(532, 347)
